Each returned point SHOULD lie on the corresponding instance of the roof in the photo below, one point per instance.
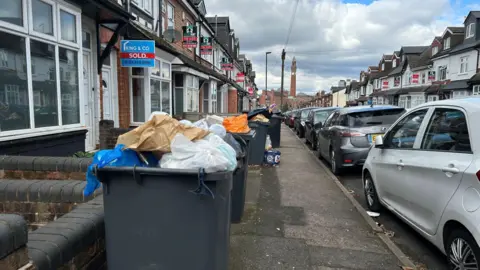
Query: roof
(475, 78)
(423, 60)
(335, 89)
(457, 29)
(397, 70)
(413, 49)
(475, 14)
(380, 74)
(368, 108)
(388, 56)
(456, 85)
(390, 92)
(218, 19)
(413, 60)
(412, 89)
(396, 53)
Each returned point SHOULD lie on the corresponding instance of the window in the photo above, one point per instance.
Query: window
(442, 73)
(460, 94)
(470, 31)
(138, 94)
(446, 43)
(52, 69)
(12, 12)
(404, 133)
(408, 78)
(434, 50)
(394, 63)
(447, 131)
(432, 98)
(396, 81)
(383, 66)
(206, 94)
(145, 5)
(160, 85)
(424, 77)
(402, 101)
(380, 101)
(476, 90)
(213, 97)
(86, 40)
(320, 117)
(417, 100)
(374, 101)
(464, 64)
(170, 16)
(330, 119)
(372, 118)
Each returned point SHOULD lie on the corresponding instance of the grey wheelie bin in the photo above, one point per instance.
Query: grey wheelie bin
(166, 218)
(274, 130)
(257, 145)
(239, 185)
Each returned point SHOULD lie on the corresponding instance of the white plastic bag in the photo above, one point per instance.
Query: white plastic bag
(214, 119)
(218, 130)
(186, 122)
(156, 113)
(202, 123)
(210, 153)
(268, 143)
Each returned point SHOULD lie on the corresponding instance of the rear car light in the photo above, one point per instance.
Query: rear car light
(351, 134)
(478, 175)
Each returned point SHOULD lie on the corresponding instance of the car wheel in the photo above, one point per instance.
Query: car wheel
(462, 250)
(333, 162)
(371, 195)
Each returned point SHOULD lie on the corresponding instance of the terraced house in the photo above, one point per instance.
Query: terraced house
(447, 68)
(61, 71)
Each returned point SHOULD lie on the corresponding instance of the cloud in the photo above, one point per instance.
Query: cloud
(330, 39)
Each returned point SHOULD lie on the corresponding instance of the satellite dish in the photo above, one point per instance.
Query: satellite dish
(172, 35)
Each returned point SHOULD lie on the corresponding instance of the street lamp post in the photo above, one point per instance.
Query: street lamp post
(266, 70)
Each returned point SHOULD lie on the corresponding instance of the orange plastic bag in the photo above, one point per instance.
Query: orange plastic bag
(236, 124)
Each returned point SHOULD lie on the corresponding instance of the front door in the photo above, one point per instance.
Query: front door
(107, 94)
(89, 92)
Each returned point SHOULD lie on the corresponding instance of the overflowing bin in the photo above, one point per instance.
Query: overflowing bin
(166, 218)
(240, 176)
(274, 130)
(257, 145)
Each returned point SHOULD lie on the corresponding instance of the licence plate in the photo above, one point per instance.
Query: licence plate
(373, 136)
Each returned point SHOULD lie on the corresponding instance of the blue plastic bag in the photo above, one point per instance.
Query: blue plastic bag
(112, 157)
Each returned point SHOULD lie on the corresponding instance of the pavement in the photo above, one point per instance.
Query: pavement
(298, 217)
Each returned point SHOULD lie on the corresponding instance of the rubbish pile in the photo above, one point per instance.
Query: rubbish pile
(165, 142)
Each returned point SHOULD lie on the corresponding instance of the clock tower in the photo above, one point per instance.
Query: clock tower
(293, 78)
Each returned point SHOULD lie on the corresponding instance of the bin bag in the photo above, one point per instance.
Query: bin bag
(236, 124)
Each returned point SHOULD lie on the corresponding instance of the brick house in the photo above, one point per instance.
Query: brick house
(63, 115)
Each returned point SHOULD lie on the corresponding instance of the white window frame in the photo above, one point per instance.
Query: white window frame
(195, 90)
(402, 101)
(470, 31)
(460, 94)
(463, 65)
(147, 76)
(141, 4)
(394, 63)
(380, 100)
(440, 69)
(170, 20)
(29, 34)
(417, 100)
(434, 50)
(476, 90)
(383, 66)
(25, 20)
(446, 43)
(78, 21)
(374, 101)
(432, 98)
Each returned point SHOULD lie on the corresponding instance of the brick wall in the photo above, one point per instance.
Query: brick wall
(232, 100)
(109, 134)
(123, 95)
(181, 17)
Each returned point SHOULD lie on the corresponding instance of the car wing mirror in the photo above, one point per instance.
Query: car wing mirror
(379, 141)
(319, 125)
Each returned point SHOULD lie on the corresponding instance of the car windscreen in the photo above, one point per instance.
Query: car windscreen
(304, 114)
(320, 116)
(374, 117)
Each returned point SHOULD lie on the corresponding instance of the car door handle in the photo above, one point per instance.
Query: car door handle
(450, 170)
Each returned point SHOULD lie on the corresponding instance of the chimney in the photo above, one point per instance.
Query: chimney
(293, 78)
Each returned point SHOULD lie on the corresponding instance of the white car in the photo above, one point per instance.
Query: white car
(426, 170)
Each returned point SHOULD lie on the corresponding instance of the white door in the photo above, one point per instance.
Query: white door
(89, 92)
(107, 94)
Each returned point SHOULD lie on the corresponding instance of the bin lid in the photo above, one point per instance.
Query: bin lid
(246, 136)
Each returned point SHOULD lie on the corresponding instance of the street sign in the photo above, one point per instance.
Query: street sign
(137, 53)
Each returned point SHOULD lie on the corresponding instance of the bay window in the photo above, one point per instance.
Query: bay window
(145, 5)
(432, 98)
(460, 94)
(39, 82)
(417, 100)
(213, 97)
(151, 91)
(476, 90)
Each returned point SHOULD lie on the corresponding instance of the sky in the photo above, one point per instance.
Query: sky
(332, 39)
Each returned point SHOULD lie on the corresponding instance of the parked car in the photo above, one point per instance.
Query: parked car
(286, 117)
(291, 122)
(300, 121)
(314, 122)
(348, 133)
(426, 170)
(296, 119)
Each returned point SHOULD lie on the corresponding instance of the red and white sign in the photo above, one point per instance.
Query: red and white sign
(415, 77)
(250, 91)
(137, 55)
(240, 77)
(385, 85)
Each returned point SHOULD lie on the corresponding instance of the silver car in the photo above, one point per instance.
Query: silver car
(426, 170)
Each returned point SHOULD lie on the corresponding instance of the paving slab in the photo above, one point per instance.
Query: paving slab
(296, 217)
